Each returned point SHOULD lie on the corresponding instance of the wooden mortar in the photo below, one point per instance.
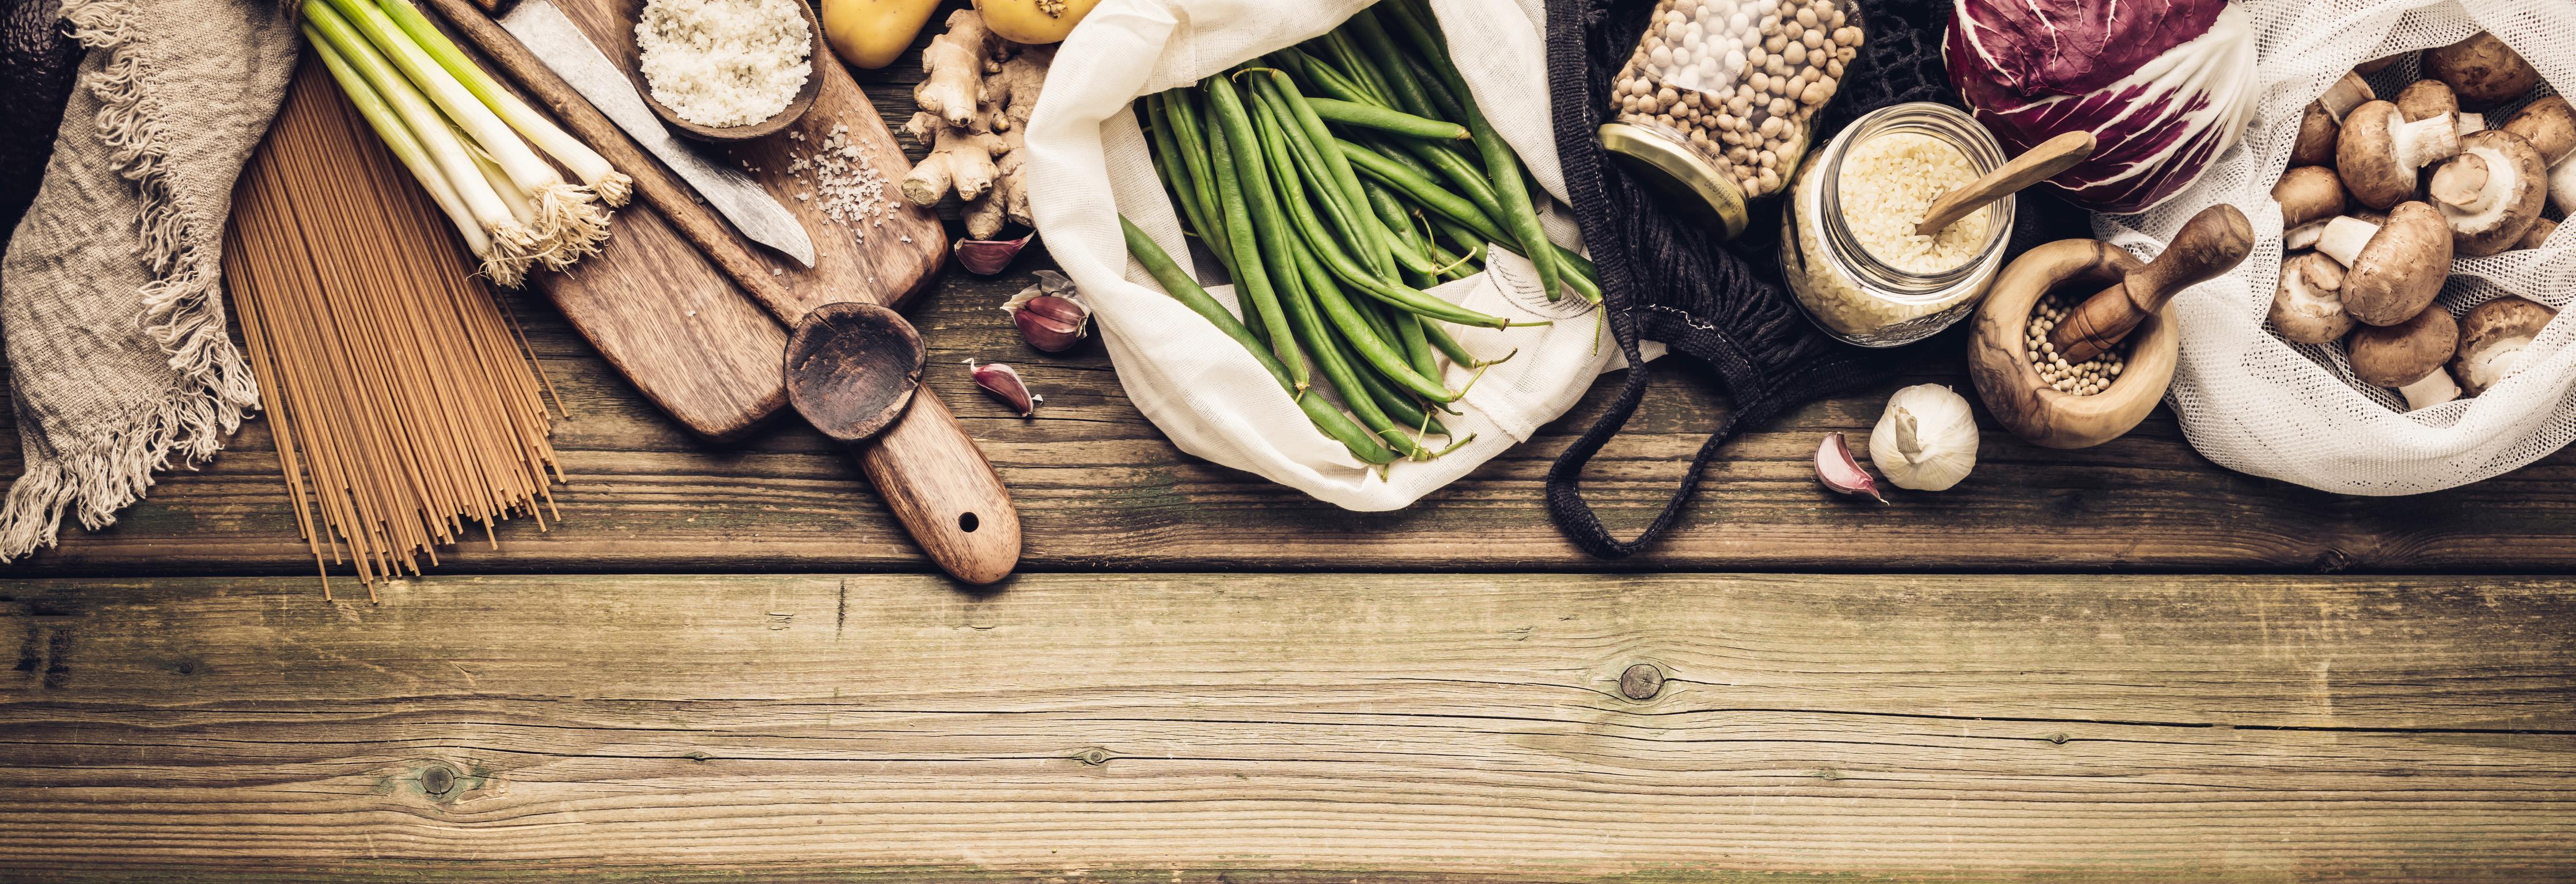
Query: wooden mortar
(1999, 357)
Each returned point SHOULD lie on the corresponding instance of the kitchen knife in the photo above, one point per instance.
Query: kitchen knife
(560, 45)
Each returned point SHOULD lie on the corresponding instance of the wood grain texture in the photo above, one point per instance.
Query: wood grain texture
(1324, 727)
(673, 327)
(1097, 487)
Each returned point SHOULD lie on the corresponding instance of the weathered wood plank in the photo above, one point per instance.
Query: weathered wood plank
(1307, 727)
(1098, 487)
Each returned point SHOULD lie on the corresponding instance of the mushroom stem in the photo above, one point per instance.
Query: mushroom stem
(2344, 238)
(2464, 184)
(2304, 236)
(2347, 92)
(2434, 388)
(2421, 142)
(2471, 123)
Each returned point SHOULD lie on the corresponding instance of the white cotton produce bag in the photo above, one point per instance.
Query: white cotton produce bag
(1087, 162)
(2255, 403)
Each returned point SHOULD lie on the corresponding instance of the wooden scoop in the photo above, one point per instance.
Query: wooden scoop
(2211, 243)
(853, 370)
(2032, 167)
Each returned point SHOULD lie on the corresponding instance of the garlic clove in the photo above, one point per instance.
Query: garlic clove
(1050, 315)
(1050, 323)
(1836, 468)
(985, 257)
(1004, 383)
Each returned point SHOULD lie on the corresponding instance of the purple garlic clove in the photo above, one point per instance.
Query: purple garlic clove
(985, 257)
(1050, 314)
(1836, 468)
(1004, 383)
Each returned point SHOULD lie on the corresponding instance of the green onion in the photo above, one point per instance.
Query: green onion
(612, 186)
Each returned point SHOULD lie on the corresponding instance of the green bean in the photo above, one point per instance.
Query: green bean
(1363, 443)
(1502, 167)
(1354, 326)
(1469, 179)
(1357, 68)
(1319, 339)
(1187, 132)
(1400, 407)
(1342, 266)
(1441, 340)
(1401, 84)
(1428, 195)
(1321, 73)
(1252, 279)
(1300, 119)
(1369, 116)
(1176, 174)
(1271, 118)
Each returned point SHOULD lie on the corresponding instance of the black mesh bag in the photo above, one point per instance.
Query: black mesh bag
(1666, 276)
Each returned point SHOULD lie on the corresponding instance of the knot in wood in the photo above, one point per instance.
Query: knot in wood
(438, 781)
(1641, 682)
(1094, 756)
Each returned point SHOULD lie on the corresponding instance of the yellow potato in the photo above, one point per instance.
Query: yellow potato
(1033, 21)
(870, 33)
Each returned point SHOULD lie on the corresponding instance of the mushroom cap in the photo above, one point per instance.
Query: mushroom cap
(2481, 70)
(2317, 131)
(2548, 123)
(2306, 194)
(2397, 355)
(2537, 235)
(2512, 165)
(2426, 99)
(2402, 268)
(2491, 330)
(2366, 156)
(2308, 307)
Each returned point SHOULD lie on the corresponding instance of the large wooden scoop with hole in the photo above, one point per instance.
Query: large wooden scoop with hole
(2210, 244)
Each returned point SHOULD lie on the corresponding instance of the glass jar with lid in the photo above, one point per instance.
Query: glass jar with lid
(1848, 243)
(1720, 94)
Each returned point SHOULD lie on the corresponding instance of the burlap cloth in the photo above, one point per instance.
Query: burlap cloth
(111, 305)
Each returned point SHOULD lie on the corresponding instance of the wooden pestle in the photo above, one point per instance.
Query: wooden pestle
(2211, 243)
(2032, 167)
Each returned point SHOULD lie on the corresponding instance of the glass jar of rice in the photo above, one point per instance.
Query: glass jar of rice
(1848, 243)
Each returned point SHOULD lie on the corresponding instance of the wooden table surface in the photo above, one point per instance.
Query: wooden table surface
(727, 663)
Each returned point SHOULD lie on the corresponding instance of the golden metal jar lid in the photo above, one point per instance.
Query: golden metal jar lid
(1673, 164)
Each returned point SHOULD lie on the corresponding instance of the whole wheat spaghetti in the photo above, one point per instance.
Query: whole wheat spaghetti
(402, 399)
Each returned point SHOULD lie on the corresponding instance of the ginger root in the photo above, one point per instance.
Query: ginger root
(975, 102)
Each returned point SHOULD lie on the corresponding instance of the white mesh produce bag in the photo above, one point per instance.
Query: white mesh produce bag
(1087, 162)
(2255, 403)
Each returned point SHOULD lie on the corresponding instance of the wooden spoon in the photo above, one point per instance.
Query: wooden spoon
(854, 372)
(2211, 243)
(2032, 167)
(817, 55)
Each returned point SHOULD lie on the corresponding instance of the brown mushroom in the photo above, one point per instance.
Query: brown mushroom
(2308, 195)
(2379, 151)
(2323, 118)
(2550, 125)
(2426, 99)
(2391, 270)
(2308, 308)
(2537, 235)
(2492, 339)
(2376, 65)
(2482, 70)
(2491, 193)
(2409, 357)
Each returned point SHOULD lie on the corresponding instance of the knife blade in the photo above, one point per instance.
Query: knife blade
(560, 45)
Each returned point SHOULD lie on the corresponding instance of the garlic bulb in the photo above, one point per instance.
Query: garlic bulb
(1927, 439)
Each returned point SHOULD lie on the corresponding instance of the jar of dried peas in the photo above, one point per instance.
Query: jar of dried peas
(1849, 243)
(1720, 94)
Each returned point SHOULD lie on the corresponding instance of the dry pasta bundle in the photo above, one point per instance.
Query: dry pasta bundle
(402, 398)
